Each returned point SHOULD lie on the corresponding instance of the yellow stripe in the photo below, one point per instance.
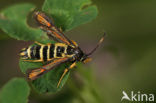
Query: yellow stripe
(28, 51)
(60, 44)
(48, 53)
(41, 52)
(65, 51)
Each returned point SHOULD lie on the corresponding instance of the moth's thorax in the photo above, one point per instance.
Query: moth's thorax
(76, 52)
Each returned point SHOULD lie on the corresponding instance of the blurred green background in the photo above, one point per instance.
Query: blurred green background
(125, 61)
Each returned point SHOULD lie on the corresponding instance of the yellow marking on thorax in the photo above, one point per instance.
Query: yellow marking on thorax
(29, 51)
(41, 52)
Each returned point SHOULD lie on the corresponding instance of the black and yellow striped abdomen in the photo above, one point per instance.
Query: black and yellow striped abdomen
(46, 52)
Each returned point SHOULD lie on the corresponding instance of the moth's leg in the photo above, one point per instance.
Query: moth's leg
(64, 73)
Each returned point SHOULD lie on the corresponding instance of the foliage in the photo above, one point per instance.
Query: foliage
(13, 21)
(15, 91)
(67, 14)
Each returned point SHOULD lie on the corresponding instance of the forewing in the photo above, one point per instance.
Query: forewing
(47, 25)
(33, 74)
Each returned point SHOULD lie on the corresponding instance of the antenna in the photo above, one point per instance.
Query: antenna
(98, 44)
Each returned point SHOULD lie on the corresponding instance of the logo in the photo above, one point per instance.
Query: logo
(137, 96)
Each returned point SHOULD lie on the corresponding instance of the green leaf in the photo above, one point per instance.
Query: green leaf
(13, 21)
(15, 91)
(69, 14)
